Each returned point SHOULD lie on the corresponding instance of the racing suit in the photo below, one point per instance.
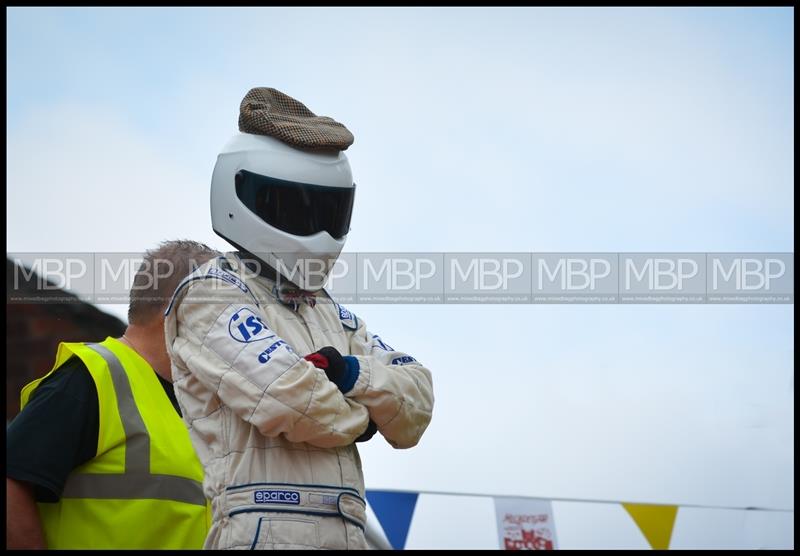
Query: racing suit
(275, 436)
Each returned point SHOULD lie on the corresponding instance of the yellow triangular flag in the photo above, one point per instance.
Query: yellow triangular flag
(655, 522)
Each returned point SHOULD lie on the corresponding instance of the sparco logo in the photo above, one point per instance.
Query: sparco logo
(277, 496)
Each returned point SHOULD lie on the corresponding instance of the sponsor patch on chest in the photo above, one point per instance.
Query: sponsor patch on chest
(245, 326)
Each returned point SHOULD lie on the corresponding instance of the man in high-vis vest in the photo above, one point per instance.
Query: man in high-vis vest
(276, 381)
(99, 457)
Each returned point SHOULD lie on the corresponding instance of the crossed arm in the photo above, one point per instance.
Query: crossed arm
(256, 373)
(260, 377)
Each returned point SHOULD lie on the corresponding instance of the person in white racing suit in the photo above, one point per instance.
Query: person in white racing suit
(276, 381)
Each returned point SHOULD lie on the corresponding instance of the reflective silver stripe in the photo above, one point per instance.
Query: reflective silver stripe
(134, 486)
(136, 483)
(137, 441)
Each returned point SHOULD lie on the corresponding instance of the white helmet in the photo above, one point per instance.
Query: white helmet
(288, 207)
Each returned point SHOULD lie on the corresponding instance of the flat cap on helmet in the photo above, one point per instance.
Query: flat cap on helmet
(267, 111)
(285, 194)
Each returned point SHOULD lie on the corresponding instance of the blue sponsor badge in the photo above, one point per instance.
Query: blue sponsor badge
(348, 319)
(266, 355)
(276, 497)
(245, 326)
(403, 360)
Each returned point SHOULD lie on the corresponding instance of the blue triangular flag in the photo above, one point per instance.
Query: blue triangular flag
(394, 511)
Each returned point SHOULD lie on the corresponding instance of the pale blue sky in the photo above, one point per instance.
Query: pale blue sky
(476, 130)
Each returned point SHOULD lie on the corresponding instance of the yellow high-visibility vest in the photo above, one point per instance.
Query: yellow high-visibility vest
(143, 489)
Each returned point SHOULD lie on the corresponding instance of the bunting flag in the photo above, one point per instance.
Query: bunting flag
(525, 524)
(394, 511)
(655, 522)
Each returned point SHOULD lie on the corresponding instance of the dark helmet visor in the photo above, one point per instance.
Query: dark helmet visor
(299, 209)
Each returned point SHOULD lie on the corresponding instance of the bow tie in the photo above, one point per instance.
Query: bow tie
(293, 296)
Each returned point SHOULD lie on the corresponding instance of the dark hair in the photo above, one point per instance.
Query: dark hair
(161, 271)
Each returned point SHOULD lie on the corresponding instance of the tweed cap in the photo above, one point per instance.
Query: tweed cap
(267, 111)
